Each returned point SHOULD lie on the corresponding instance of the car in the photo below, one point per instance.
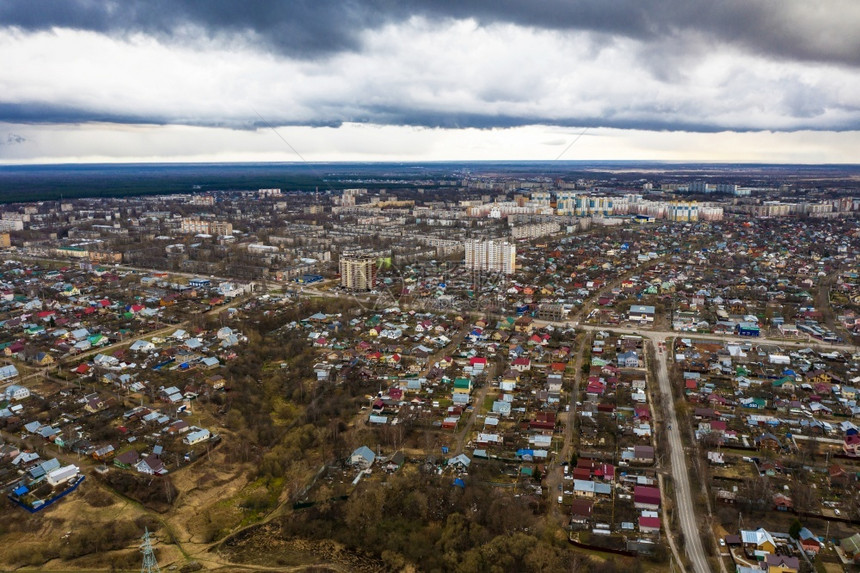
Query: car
(837, 512)
(722, 542)
(560, 499)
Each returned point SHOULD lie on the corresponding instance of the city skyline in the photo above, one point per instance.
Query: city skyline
(690, 81)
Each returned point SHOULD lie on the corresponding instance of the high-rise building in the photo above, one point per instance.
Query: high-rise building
(566, 203)
(358, 273)
(495, 256)
(698, 187)
(684, 211)
(541, 198)
(728, 188)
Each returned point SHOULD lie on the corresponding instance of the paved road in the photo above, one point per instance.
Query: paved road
(656, 335)
(683, 492)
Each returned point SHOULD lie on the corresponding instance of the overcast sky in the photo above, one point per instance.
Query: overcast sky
(212, 80)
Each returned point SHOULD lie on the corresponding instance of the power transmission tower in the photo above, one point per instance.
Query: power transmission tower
(150, 565)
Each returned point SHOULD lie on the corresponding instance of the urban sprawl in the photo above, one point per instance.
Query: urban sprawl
(487, 373)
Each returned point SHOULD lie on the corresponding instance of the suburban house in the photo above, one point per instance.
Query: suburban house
(151, 465)
(643, 454)
(16, 392)
(758, 540)
(8, 372)
(809, 541)
(581, 511)
(196, 437)
(781, 564)
(127, 460)
(362, 457)
(628, 359)
(646, 497)
(851, 445)
(649, 524)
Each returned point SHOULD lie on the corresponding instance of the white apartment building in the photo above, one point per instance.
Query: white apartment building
(495, 256)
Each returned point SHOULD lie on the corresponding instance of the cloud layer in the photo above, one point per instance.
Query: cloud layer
(675, 65)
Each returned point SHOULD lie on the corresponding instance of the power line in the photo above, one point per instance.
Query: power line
(293, 149)
(569, 145)
(150, 565)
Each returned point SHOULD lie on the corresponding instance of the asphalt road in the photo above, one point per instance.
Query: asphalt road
(683, 492)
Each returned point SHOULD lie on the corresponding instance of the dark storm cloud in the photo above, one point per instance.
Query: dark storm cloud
(804, 30)
(34, 113)
(684, 65)
(42, 113)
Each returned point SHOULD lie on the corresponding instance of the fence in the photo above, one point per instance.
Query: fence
(51, 501)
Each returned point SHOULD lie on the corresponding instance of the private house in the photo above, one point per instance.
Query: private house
(809, 542)
(43, 359)
(104, 454)
(628, 359)
(127, 460)
(8, 372)
(782, 502)
(521, 364)
(142, 346)
(16, 392)
(646, 497)
(643, 454)
(781, 564)
(502, 407)
(62, 475)
(581, 511)
(758, 540)
(151, 465)
(196, 437)
(362, 457)
(650, 525)
(851, 445)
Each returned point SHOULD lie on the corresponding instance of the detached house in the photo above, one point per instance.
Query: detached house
(628, 359)
(646, 497)
(151, 465)
(362, 457)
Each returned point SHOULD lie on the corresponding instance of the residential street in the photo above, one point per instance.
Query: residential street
(680, 478)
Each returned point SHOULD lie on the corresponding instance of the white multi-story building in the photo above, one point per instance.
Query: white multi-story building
(535, 230)
(202, 226)
(684, 211)
(494, 256)
(566, 203)
(7, 225)
(541, 198)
